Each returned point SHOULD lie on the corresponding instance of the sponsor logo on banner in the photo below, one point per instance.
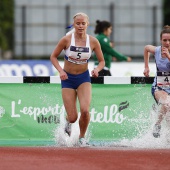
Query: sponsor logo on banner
(41, 115)
(110, 114)
(26, 68)
(45, 68)
(53, 114)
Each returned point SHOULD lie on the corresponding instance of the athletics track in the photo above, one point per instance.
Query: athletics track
(65, 158)
(93, 158)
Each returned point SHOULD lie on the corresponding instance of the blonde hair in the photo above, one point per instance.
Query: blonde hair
(78, 14)
(82, 14)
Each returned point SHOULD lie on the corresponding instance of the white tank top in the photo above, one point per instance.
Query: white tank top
(78, 55)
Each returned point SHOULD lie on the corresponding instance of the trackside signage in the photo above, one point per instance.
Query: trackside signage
(45, 68)
(26, 68)
(34, 110)
(110, 114)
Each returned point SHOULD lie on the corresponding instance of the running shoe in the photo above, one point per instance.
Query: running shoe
(83, 142)
(68, 128)
(156, 131)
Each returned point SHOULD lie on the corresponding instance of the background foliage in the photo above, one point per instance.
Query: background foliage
(6, 24)
(166, 12)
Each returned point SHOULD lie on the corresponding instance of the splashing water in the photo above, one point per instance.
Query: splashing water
(144, 140)
(62, 139)
(147, 140)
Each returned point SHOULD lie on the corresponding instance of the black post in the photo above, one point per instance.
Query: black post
(112, 20)
(67, 16)
(23, 29)
(154, 9)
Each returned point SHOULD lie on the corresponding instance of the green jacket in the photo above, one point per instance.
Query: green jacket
(108, 51)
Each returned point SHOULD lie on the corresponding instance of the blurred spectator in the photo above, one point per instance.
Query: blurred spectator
(104, 29)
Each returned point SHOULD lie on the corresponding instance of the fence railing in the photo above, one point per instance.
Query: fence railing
(39, 27)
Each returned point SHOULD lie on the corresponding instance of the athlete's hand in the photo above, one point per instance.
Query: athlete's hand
(63, 75)
(146, 72)
(95, 72)
(165, 52)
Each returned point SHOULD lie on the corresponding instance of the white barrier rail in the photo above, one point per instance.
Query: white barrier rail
(56, 79)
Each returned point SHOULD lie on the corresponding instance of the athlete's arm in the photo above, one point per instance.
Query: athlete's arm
(147, 50)
(58, 49)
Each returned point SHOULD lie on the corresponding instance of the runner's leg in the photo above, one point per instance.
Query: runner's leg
(69, 99)
(84, 96)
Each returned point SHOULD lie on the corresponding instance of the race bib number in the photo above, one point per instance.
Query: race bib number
(77, 60)
(79, 55)
(163, 79)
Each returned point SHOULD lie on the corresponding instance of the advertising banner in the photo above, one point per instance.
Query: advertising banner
(26, 68)
(31, 113)
(45, 68)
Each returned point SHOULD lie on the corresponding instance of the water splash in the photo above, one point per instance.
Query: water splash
(144, 140)
(147, 140)
(62, 139)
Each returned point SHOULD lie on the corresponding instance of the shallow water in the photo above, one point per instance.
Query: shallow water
(144, 140)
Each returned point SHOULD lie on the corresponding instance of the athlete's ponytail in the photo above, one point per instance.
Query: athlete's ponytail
(71, 31)
(101, 26)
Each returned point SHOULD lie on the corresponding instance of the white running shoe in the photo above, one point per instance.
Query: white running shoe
(68, 128)
(83, 142)
(156, 131)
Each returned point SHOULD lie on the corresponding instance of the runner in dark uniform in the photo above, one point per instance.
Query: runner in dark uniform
(75, 77)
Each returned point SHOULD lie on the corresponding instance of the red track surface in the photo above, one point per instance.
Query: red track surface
(47, 158)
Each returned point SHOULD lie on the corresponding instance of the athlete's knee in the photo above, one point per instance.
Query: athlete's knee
(85, 113)
(73, 119)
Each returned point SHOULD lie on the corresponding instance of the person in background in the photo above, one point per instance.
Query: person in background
(103, 30)
(161, 85)
(75, 77)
